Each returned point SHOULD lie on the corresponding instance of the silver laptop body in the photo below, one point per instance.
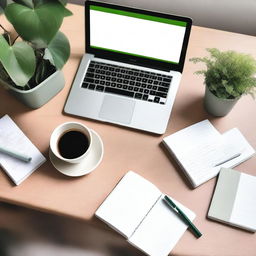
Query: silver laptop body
(144, 112)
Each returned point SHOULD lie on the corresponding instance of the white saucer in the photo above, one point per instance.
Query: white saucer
(89, 163)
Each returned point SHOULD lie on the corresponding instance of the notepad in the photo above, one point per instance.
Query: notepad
(12, 137)
(234, 199)
(200, 149)
(135, 209)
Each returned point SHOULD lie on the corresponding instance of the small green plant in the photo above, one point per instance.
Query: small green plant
(229, 74)
(39, 48)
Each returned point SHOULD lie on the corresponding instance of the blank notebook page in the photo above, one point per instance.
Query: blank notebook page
(161, 229)
(128, 203)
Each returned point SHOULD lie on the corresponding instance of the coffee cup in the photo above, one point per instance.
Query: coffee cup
(71, 142)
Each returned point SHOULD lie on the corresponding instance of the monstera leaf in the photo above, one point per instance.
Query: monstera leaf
(58, 50)
(38, 25)
(18, 60)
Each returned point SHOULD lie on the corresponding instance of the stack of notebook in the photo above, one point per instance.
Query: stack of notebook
(201, 150)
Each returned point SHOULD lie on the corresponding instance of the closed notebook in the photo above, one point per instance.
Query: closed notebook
(201, 150)
(12, 137)
(234, 199)
(135, 208)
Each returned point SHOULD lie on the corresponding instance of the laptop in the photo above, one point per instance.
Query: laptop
(132, 67)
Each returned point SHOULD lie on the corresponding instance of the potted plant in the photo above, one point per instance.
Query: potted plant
(228, 76)
(31, 62)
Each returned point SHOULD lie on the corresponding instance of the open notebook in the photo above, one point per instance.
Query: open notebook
(12, 137)
(201, 150)
(234, 199)
(135, 208)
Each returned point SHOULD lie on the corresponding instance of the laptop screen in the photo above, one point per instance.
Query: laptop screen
(133, 34)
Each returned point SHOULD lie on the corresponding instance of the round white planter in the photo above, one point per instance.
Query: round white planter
(217, 106)
(42, 93)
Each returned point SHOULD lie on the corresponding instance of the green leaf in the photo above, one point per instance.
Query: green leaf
(38, 25)
(58, 50)
(66, 12)
(18, 60)
(28, 3)
(228, 74)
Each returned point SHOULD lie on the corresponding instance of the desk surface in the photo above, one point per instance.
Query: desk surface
(125, 149)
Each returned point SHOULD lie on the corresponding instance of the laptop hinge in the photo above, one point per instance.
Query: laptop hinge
(134, 62)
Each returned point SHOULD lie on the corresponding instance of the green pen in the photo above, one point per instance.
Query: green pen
(183, 216)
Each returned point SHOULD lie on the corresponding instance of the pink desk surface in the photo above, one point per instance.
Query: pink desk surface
(50, 191)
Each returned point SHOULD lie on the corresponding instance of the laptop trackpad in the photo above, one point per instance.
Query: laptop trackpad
(117, 109)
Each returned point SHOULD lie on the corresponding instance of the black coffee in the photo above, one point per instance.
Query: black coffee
(73, 144)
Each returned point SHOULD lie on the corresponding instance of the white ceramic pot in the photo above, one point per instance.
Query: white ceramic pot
(42, 93)
(217, 106)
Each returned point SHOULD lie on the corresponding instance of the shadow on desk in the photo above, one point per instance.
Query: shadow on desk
(192, 110)
(9, 104)
(25, 232)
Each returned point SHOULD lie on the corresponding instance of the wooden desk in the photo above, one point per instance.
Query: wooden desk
(125, 149)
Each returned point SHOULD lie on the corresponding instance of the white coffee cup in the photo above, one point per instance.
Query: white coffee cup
(68, 129)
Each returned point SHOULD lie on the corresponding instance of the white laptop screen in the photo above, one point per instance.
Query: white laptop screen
(136, 34)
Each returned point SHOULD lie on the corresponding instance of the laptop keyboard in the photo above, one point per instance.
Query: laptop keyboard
(134, 83)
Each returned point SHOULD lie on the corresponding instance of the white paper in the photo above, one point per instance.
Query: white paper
(244, 209)
(128, 203)
(161, 229)
(12, 137)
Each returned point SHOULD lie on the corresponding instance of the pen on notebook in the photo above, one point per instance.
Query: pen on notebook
(230, 158)
(15, 154)
(183, 216)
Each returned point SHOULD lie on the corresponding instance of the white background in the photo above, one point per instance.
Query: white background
(137, 36)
